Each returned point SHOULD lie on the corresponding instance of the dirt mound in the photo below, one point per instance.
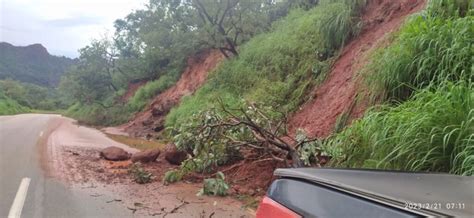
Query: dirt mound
(151, 120)
(338, 92)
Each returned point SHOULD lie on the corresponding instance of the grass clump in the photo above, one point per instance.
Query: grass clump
(433, 131)
(428, 50)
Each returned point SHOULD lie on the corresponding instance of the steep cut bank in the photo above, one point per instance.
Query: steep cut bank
(338, 93)
(151, 120)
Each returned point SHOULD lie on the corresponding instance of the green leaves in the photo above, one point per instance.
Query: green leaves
(172, 176)
(216, 186)
(92, 79)
(309, 150)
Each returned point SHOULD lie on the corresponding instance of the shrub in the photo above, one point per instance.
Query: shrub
(216, 186)
(9, 106)
(172, 176)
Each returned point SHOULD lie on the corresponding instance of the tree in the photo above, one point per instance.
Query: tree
(158, 38)
(225, 24)
(170, 27)
(92, 79)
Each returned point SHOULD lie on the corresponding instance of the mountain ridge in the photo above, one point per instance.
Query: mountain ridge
(32, 64)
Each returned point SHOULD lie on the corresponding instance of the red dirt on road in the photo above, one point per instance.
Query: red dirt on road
(70, 154)
(338, 92)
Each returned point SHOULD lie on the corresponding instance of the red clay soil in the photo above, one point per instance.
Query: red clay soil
(132, 89)
(150, 121)
(252, 178)
(338, 92)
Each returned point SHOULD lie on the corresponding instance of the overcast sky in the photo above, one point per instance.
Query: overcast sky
(62, 26)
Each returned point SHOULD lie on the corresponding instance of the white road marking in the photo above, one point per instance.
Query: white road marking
(41, 133)
(17, 206)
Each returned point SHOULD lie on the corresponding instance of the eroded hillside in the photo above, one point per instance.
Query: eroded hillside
(151, 121)
(338, 93)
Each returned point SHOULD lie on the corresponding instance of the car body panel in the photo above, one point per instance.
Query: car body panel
(396, 188)
(315, 200)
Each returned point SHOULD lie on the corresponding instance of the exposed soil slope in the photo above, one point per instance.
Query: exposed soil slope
(132, 89)
(337, 94)
(151, 119)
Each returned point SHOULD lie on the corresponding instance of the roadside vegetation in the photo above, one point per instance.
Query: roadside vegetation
(240, 112)
(420, 85)
(9, 106)
(277, 68)
(28, 79)
(153, 44)
(423, 80)
(19, 97)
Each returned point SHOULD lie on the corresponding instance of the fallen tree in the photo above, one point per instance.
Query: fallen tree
(225, 135)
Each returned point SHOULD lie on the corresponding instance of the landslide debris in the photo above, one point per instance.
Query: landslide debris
(151, 120)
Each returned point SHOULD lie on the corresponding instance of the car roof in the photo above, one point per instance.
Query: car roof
(396, 187)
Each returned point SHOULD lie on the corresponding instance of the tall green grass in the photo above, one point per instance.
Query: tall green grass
(277, 68)
(429, 49)
(433, 131)
(427, 71)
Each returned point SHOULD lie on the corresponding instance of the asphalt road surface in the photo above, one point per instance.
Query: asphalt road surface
(21, 141)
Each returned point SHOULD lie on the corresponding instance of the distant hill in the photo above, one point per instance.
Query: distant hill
(32, 64)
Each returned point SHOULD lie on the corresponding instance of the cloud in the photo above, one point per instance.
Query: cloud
(74, 22)
(61, 26)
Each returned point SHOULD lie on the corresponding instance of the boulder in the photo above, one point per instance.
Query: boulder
(146, 156)
(114, 153)
(174, 156)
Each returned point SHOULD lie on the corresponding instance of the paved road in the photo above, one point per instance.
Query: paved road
(21, 140)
